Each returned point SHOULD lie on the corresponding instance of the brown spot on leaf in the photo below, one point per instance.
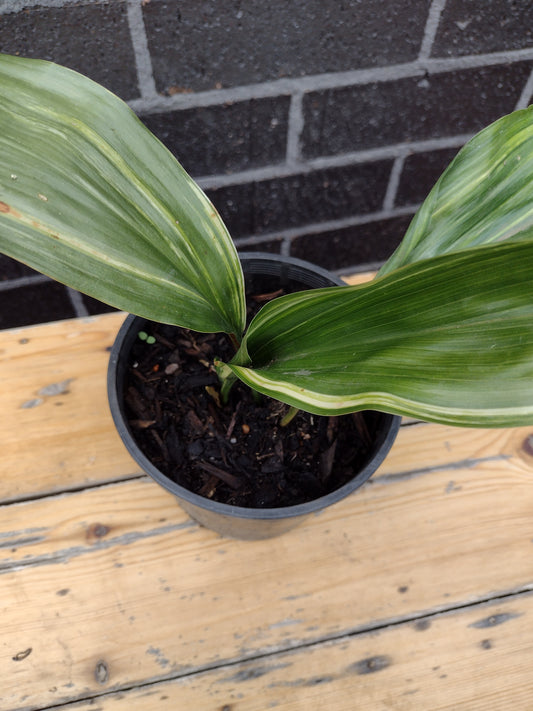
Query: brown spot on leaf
(5, 208)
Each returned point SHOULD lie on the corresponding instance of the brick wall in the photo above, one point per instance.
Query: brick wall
(315, 126)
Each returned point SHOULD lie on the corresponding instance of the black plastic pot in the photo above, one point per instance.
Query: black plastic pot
(262, 270)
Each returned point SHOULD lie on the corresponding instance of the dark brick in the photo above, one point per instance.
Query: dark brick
(95, 307)
(12, 269)
(420, 173)
(382, 113)
(92, 39)
(270, 246)
(301, 199)
(38, 303)
(359, 245)
(226, 138)
(478, 27)
(320, 195)
(236, 207)
(204, 44)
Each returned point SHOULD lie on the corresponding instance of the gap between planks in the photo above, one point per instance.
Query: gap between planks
(346, 662)
(363, 556)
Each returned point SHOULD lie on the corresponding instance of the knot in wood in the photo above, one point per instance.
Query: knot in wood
(101, 672)
(527, 445)
(97, 530)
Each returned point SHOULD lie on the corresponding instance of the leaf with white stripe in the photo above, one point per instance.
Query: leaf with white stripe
(91, 198)
(484, 196)
(448, 339)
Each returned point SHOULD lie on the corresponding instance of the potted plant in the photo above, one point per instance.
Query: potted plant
(444, 333)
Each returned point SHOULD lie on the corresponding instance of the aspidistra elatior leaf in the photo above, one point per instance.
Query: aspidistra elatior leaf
(448, 339)
(90, 197)
(484, 196)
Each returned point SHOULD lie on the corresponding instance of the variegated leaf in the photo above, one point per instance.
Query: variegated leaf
(90, 197)
(448, 339)
(484, 196)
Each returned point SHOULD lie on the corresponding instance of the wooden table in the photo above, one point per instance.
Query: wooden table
(414, 593)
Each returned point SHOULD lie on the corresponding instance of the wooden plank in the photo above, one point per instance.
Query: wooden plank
(113, 587)
(424, 447)
(67, 440)
(474, 659)
(359, 278)
(56, 430)
(118, 588)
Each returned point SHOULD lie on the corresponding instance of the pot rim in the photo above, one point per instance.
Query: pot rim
(389, 428)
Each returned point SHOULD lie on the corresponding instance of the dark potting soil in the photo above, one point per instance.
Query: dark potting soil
(237, 453)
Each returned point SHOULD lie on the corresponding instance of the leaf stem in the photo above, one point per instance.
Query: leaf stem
(234, 341)
(227, 378)
(289, 416)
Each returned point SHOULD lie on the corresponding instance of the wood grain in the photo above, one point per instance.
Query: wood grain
(56, 430)
(473, 660)
(106, 586)
(359, 278)
(67, 439)
(119, 575)
(423, 447)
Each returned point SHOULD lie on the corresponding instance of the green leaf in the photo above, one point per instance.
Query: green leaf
(448, 339)
(90, 197)
(484, 195)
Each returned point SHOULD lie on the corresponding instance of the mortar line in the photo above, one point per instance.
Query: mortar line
(284, 170)
(430, 31)
(23, 281)
(394, 182)
(325, 226)
(526, 96)
(143, 61)
(76, 299)
(294, 129)
(333, 80)
(392, 151)
(18, 5)
(285, 248)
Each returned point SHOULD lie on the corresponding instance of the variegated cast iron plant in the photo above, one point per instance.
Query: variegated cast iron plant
(444, 333)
